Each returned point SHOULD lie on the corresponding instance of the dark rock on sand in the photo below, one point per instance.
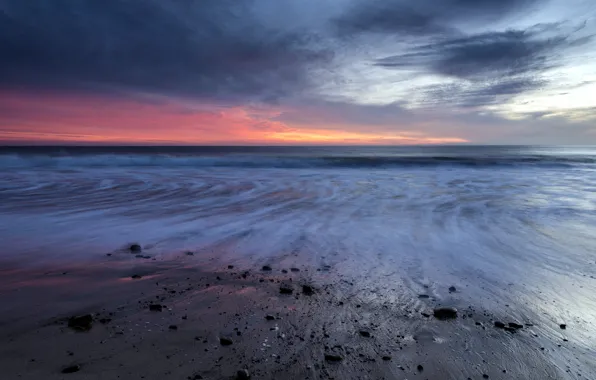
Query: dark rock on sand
(333, 358)
(81, 322)
(563, 326)
(189, 253)
(230, 267)
(425, 315)
(225, 341)
(173, 327)
(423, 296)
(452, 289)
(266, 268)
(155, 307)
(286, 289)
(510, 329)
(364, 333)
(386, 357)
(142, 257)
(136, 276)
(243, 374)
(71, 369)
(308, 290)
(420, 368)
(269, 317)
(499, 324)
(135, 248)
(443, 313)
(515, 325)
(295, 269)
(104, 321)
(284, 271)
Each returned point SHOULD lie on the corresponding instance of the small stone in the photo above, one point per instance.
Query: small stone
(243, 374)
(423, 296)
(266, 268)
(420, 368)
(136, 276)
(189, 253)
(155, 307)
(499, 324)
(269, 317)
(173, 327)
(81, 323)
(71, 369)
(443, 313)
(333, 358)
(452, 289)
(230, 267)
(485, 376)
(284, 271)
(386, 357)
(135, 248)
(307, 290)
(364, 333)
(104, 321)
(286, 289)
(563, 326)
(225, 341)
(295, 269)
(515, 325)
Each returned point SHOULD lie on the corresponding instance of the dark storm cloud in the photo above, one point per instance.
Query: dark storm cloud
(212, 48)
(484, 55)
(422, 17)
(488, 67)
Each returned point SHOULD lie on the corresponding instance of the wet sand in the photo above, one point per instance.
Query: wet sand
(346, 329)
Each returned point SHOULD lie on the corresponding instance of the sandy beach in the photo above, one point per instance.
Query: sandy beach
(195, 317)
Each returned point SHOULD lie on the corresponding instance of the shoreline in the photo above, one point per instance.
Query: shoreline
(343, 330)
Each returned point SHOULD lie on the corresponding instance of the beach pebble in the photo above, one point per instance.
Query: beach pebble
(225, 341)
(189, 253)
(136, 276)
(423, 296)
(243, 374)
(420, 368)
(499, 324)
(452, 289)
(445, 313)
(266, 268)
(135, 248)
(515, 325)
(155, 307)
(364, 333)
(333, 358)
(286, 289)
(230, 267)
(173, 327)
(307, 290)
(563, 326)
(295, 269)
(71, 369)
(284, 271)
(81, 322)
(269, 317)
(386, 357)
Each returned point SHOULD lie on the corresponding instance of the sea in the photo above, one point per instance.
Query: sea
(511, 227)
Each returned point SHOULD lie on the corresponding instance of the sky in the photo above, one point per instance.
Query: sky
(229, 72)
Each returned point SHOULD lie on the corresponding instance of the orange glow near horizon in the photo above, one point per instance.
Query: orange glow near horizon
(95, 120)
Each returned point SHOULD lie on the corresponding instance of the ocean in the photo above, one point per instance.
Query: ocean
(513, 227)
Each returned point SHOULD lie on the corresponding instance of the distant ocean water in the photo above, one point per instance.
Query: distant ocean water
(510, 225)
